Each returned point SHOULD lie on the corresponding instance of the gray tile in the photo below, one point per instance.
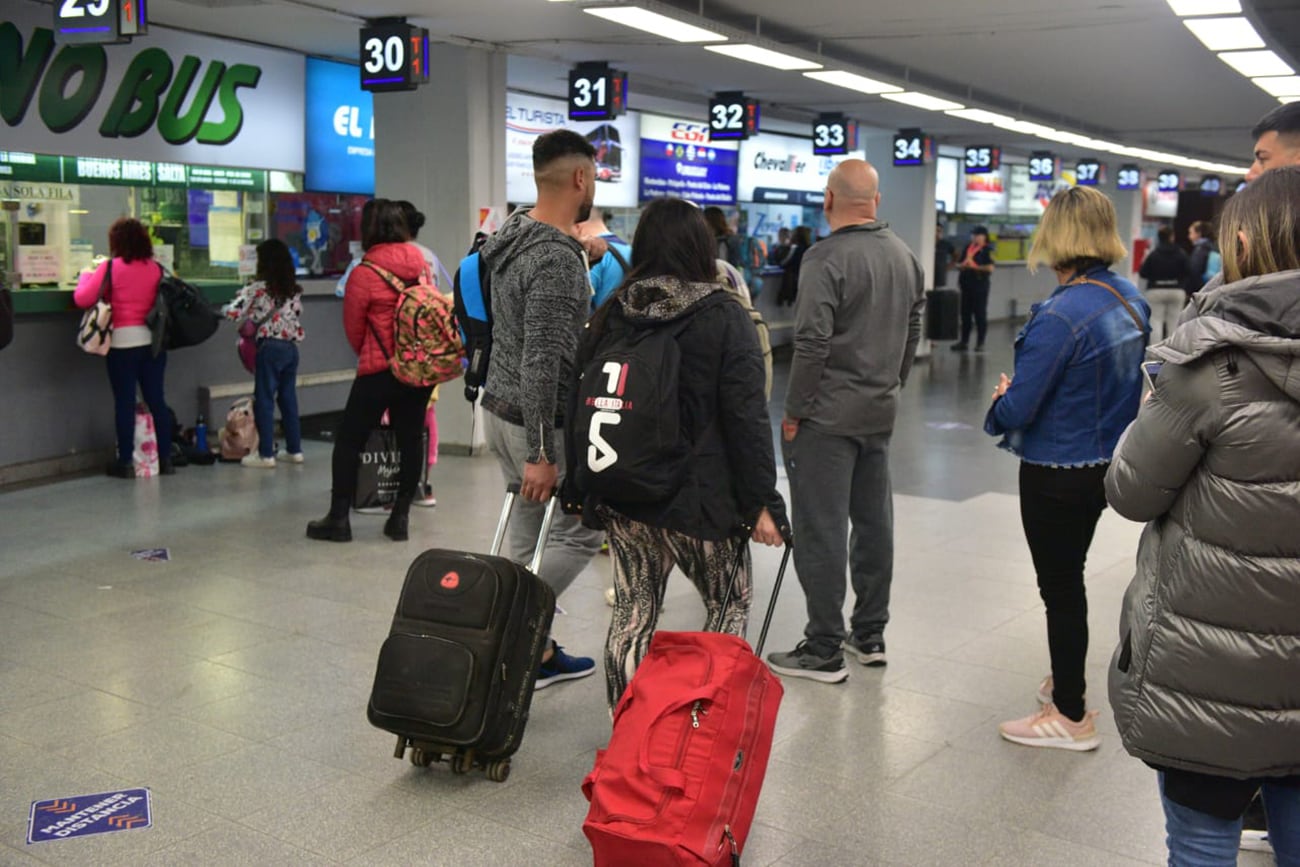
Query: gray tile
(348, 816)
(22, 686)
(71, 598)
(143, 752)
(1042, 850)
(271, 711)
(973, 684)
(548, 805)
(188, 684)
(234, 846)
(472, 841)
(73, 720)
(249, 780)
(817, 853)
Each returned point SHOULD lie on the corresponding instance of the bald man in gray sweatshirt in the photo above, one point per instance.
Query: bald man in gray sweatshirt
(857, 326)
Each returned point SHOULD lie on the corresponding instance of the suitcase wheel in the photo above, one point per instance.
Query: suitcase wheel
(422, 759)
(462, 763)
(498, 771)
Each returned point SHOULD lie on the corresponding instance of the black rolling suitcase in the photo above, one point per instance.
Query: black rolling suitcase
(456, 673)
(942, 314)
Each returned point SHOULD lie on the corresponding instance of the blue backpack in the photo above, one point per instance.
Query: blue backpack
(1213, 265)
(472, 301)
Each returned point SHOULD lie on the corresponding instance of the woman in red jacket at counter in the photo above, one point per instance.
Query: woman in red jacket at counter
(131, 361)
(369, 306)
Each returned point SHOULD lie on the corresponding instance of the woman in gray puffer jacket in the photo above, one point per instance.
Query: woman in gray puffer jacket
(1205, 684)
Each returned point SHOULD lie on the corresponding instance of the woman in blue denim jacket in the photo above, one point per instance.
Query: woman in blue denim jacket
(1077, 385)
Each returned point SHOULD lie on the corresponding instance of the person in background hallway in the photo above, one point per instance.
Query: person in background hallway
(607, 270)
(781, 248)
(1165, 269)
(944, 252)
(274, 303)
(541, 296)
(369, 311)
(1205, 684)
(1204, 253)
(130, 360)
(800, 241)
(976, 267)
(857, 326)
(1076, 387)
(728, 242)
(727, 491)
(1277, 140)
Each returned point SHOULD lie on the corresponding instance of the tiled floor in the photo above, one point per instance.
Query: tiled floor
(232, 680)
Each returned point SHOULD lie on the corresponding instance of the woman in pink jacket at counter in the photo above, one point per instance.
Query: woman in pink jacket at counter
(131, 361)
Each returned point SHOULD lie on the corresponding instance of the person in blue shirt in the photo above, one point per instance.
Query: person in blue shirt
(1077, 386)
(608, 271)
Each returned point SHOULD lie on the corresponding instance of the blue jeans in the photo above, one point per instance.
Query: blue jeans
(128, 368)
(1197, 839)
(276, 372)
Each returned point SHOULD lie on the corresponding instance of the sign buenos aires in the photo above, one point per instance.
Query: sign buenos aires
(177, 97)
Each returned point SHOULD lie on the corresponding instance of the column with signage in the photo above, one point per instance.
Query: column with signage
(1129, 211)
(907, 193)
(442, 147)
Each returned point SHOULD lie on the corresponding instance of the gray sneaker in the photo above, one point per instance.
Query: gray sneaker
(870, 653)
(803, 662)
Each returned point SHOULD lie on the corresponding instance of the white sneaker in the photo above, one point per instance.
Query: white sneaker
(1255, 841)
(610, 596)
(257, 462)
(290, 457)
(425, 498)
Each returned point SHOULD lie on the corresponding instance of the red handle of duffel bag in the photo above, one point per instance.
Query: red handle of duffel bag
(669, 778)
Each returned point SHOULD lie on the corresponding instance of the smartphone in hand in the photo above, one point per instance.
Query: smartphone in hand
(1150, 371)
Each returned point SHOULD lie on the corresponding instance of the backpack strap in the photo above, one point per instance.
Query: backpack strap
(618, 257)
(1137, 320)
(397, 283)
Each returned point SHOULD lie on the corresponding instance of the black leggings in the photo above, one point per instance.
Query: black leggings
(369, 397)
(1059, 509)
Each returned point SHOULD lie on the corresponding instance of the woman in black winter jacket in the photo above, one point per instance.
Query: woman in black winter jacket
(722, 484)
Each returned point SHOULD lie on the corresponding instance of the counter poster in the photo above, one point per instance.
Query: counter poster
(617, 143)
(984, 194)
(1159, 203)
(781, 169)
(243, 103)
(677, 159)
(1030, 198)
(340, 154)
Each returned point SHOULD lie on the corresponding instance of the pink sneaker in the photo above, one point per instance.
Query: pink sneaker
(1045, 690)
(1053, 729)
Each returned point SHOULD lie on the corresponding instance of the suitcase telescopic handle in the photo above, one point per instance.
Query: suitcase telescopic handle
(776, 588)
(507, 508)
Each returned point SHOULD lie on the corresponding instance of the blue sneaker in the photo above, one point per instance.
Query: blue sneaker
(561, 666)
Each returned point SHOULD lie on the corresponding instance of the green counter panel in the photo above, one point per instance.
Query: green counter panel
(56, 301)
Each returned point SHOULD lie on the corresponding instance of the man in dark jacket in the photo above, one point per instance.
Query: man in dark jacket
(540, 297)
(1204, 252)
(1165, 269)
(857, 325)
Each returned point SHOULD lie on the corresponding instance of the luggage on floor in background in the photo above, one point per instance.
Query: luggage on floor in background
(456, 673)
(379, 471)
(942, 314)
(679, 782)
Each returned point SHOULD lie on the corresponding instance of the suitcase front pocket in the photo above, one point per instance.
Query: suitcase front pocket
(423, 678)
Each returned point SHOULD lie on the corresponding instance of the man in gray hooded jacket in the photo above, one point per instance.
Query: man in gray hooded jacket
(540, 298)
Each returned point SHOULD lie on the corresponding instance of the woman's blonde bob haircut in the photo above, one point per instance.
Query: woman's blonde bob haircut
(1267, 212)
(1078, 225)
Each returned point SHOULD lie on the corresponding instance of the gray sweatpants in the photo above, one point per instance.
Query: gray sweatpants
(836, 481)
(570, 546)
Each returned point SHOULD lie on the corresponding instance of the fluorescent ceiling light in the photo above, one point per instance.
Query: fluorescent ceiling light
(979, 115)
(1253, 64)
(1280, 85)
(1225, 34)
(923, 100)
(653, 22)
(853, 81)
(763, 56)
(1024, 127)
(1183, 8)
(1288, 99)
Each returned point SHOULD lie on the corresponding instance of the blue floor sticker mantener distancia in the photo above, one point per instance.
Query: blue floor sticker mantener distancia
(82, 815)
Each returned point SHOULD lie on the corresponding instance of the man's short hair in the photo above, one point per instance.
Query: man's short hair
(1165, 234)
(1283, 120)
(559, 144)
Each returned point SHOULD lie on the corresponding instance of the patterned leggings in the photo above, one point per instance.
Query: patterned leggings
(643, 558)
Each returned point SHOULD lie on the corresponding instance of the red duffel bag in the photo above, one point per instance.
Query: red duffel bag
(680, 779)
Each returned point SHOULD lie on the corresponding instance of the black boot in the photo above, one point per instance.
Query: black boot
(397, 525)
(334, 527)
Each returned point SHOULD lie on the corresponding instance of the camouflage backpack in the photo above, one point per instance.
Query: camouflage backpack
(427, 349)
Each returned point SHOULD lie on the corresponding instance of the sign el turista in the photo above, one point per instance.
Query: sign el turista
(597, 92)
(98, 20)
(394, 56)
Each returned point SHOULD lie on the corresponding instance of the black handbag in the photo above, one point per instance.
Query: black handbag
(187, 317)
(6, 316)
